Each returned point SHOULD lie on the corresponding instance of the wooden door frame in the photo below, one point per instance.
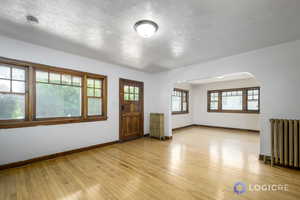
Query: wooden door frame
(120, 109)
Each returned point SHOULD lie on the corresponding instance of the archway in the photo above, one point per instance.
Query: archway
(237, 105)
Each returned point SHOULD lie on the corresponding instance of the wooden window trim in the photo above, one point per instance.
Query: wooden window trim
(245, 100)
(187, 102)
(30, 96)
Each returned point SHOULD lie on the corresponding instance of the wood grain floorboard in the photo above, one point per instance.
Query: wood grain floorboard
(198, 163)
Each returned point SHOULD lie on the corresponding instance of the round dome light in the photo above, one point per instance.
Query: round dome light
(146, 28)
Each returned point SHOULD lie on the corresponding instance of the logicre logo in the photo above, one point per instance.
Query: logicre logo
(239, 187)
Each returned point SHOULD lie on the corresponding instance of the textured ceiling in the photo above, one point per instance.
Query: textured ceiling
(190, 31)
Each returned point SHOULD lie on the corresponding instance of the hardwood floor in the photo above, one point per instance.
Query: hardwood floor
(198, 163)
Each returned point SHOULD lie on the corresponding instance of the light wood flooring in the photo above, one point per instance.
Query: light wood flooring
(198, 163)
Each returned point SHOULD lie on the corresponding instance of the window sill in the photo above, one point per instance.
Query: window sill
(54, 121)
(234, 111)
(180, 113)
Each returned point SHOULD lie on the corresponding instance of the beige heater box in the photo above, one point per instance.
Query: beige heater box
(157, 125)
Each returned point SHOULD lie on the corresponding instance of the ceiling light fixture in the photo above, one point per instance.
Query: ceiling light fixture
(32, 19)
(220, 77)
(146, 28)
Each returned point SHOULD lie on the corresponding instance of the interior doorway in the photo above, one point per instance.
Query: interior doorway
(228, 101)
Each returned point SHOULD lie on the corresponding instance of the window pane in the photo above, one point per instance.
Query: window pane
(136, 97)
(132, 97)
(66, 79)
(18, 74)
(214, 105)
(97, 92)
(90, 82)
(176, 104)
(4, 72)
(77, 80)
(252, 105)
(126, 89)
(131, 89)
(214, 98)
(253, 96)
(90, 91)
(232, 102)
(215, 95)
(42, 76)
(94, 106)
(54, 78)
(184, 108)
(4, 85)
(136, 90)
(57, 101)
(126, 97)
(12, 106)
(97, 84)
(18, 86)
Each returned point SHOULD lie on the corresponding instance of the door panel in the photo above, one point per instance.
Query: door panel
(131, 109)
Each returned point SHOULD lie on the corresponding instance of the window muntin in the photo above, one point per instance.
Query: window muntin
(57, 95)
(94, 96)
(180, 101)
(131, 93)
(244, 100)
(12, 92)
(23, 83)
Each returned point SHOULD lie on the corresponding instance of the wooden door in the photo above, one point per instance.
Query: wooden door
(131, 109)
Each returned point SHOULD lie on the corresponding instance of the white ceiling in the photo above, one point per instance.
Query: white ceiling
(190, 31)
(227, 77)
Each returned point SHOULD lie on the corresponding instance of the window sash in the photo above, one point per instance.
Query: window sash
(30, 94)
(95, 95)
(182, 97)
(11, 79)
(244, 94)
(232, 96)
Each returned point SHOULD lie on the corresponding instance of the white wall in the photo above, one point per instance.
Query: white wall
(181, 120)
(25, 143)
(232, 120)
(276, 68)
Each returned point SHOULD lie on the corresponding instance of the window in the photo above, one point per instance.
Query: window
(94, 96)
(253, 99)
(33, 94)
(12, 92)
(243, 100)
(180, 102)
(57, 95)
(214, 101)
(131, 93)
(232, 100)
